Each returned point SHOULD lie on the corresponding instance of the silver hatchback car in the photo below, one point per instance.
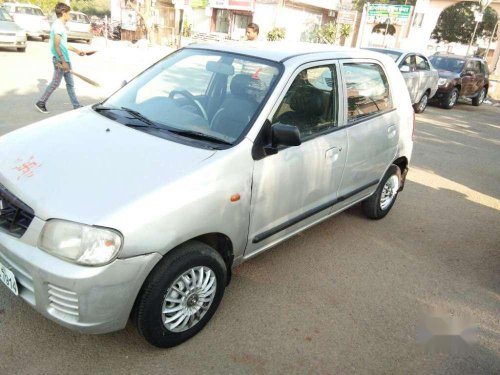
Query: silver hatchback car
(140, 206)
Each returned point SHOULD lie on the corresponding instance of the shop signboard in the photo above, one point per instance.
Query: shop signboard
(129, 20)
(398, 14)
(232, 4)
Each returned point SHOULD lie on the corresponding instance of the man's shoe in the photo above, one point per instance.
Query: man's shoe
(41, 107)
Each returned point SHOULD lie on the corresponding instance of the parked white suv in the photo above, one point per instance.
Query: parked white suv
(31, 18)
(141, 205)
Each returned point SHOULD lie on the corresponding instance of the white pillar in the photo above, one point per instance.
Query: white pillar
(496, 55)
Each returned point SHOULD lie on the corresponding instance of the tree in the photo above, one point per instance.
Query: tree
(456, 24)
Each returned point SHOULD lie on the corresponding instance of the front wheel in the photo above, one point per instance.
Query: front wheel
(422, 104)
(478, 100)
(381, 202)
(21, 49)
(451, 99)
(181, 294)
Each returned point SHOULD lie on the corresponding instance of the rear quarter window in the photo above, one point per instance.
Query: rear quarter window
(367, 90)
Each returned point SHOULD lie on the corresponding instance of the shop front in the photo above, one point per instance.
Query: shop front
(231, 17)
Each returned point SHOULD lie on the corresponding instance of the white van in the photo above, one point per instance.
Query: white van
(30, 18)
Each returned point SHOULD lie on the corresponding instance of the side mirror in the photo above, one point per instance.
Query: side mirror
(282, 135)
(124, 83)
(404, 69)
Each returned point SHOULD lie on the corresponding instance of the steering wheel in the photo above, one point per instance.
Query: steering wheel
(186, 94)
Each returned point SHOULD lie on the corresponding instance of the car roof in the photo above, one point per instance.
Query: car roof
(281, 51)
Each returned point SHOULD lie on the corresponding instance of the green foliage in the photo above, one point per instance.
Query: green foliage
(278, 33)
(186, 28)
(47, 6)
(92, 7)
(327, 33)
(345, 30)
(456, 24)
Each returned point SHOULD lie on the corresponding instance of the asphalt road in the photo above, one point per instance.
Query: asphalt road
(347, 296)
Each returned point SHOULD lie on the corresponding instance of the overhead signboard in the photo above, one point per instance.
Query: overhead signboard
(347, 17)
(397, 14)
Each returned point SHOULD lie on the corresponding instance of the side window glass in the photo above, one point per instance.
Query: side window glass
(367, 90)
(422, 63)
(409, 61)
(311, 103)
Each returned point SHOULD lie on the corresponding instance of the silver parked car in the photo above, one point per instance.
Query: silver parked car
(421, 78)
(141, 205)
(11, 34)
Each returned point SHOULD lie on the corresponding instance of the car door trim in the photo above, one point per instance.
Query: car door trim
(262, 236)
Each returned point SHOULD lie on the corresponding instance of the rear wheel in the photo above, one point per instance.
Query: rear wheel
(181, 294)
(422, 104)
(478, 100)
(381, 202)
(451, 99)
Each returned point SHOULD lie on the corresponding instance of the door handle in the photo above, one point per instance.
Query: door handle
(333, 153)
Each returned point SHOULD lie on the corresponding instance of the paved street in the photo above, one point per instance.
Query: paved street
(344, 297)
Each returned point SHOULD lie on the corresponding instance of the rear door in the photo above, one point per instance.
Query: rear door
(372, 127)
(469, 79)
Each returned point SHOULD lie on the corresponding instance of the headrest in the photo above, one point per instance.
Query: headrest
(307, 100)
(244, 85)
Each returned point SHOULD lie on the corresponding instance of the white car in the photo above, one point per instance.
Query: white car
(140, 205)
(11, 34)
(420, 77)
(31, 18)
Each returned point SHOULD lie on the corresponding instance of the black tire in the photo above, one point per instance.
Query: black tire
(150, 302)
(372, 206)
(450, 99)
(478, 100)
(21, 49)
(422, 104)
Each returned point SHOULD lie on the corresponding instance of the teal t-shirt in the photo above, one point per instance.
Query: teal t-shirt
(59, 28)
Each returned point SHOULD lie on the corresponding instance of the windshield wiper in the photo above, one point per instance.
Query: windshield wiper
(141, 117)
(199, 135)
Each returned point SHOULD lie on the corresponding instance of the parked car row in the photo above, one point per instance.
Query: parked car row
(31, 20)
(442, 79)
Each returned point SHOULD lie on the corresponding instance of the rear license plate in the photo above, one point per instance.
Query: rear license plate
(8, 279)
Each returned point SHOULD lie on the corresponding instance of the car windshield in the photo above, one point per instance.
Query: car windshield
(4, 16)
(447, 63)
(197, 93)
(392, 54)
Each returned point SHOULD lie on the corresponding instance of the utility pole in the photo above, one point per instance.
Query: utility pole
(483, 4)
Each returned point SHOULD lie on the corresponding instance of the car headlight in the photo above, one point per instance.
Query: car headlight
(80, 243)
(442, 81)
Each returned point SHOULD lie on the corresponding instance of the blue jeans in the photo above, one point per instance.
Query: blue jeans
(59, 73)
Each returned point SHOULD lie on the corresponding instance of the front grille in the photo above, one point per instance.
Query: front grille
(15, 216)
(63, 300)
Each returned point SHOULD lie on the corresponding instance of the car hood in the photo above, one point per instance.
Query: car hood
(81, 166)
(9, 26)
(447, 74)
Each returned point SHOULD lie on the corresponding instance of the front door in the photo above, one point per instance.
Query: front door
(295, 187)
(411, 77)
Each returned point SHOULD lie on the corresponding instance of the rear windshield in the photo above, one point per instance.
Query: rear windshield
(29, 10)
(447, 63)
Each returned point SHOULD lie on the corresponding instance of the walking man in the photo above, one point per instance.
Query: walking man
(60, 58)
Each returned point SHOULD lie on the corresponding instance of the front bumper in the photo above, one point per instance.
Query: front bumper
(13, 41)
(85, 299)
